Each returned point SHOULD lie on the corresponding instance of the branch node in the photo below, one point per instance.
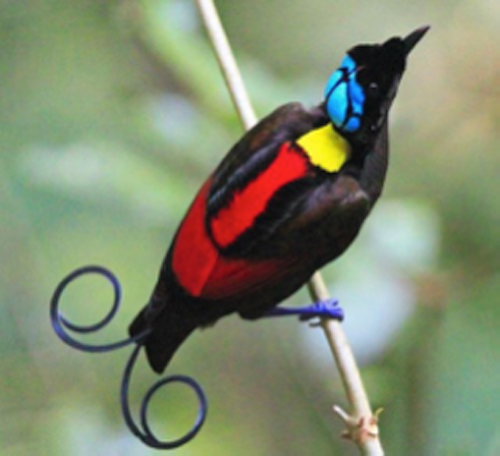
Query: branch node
(359, 429)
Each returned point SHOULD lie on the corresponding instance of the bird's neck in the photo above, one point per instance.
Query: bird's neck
(330, 151)
(374, 168)
(325, 148)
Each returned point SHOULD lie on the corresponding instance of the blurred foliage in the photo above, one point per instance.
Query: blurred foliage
(112, 114)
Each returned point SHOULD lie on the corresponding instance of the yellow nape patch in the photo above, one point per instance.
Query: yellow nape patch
(325, 148)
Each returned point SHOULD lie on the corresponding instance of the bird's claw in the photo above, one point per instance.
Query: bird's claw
(328, 308)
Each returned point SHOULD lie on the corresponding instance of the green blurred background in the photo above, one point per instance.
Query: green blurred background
(113, 112)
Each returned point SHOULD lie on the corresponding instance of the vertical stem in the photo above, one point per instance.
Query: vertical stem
(342, 353)
(361, 424)
(227, 63)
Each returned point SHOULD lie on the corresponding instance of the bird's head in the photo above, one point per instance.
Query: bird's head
(359, 94)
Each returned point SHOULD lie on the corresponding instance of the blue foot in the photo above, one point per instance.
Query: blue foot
(323, 309)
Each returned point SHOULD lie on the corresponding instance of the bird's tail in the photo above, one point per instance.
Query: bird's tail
(169, 329)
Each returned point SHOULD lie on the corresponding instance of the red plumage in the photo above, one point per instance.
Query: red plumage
(197, 263)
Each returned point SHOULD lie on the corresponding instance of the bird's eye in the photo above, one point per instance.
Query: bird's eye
(373, 90)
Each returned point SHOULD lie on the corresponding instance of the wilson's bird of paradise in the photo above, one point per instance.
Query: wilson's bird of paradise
(290, 196)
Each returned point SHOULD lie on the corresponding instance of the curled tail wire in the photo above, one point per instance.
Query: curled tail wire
(144, 334)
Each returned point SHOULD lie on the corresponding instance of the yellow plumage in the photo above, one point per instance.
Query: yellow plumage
(325, 148)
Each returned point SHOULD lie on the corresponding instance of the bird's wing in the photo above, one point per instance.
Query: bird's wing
(243, 230)
(260, 177)
(257, 148)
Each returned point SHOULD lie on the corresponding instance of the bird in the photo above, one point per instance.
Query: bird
(289, 197)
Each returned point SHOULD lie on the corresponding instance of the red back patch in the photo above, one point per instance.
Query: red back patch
(197, 263)
(193, 253)
(203, 272)
(251, 201)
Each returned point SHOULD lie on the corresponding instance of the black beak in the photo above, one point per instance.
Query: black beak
(414, 37)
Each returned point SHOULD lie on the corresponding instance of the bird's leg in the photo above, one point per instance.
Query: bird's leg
(328, 308)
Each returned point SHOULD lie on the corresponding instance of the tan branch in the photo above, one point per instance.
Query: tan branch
(361, 423)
